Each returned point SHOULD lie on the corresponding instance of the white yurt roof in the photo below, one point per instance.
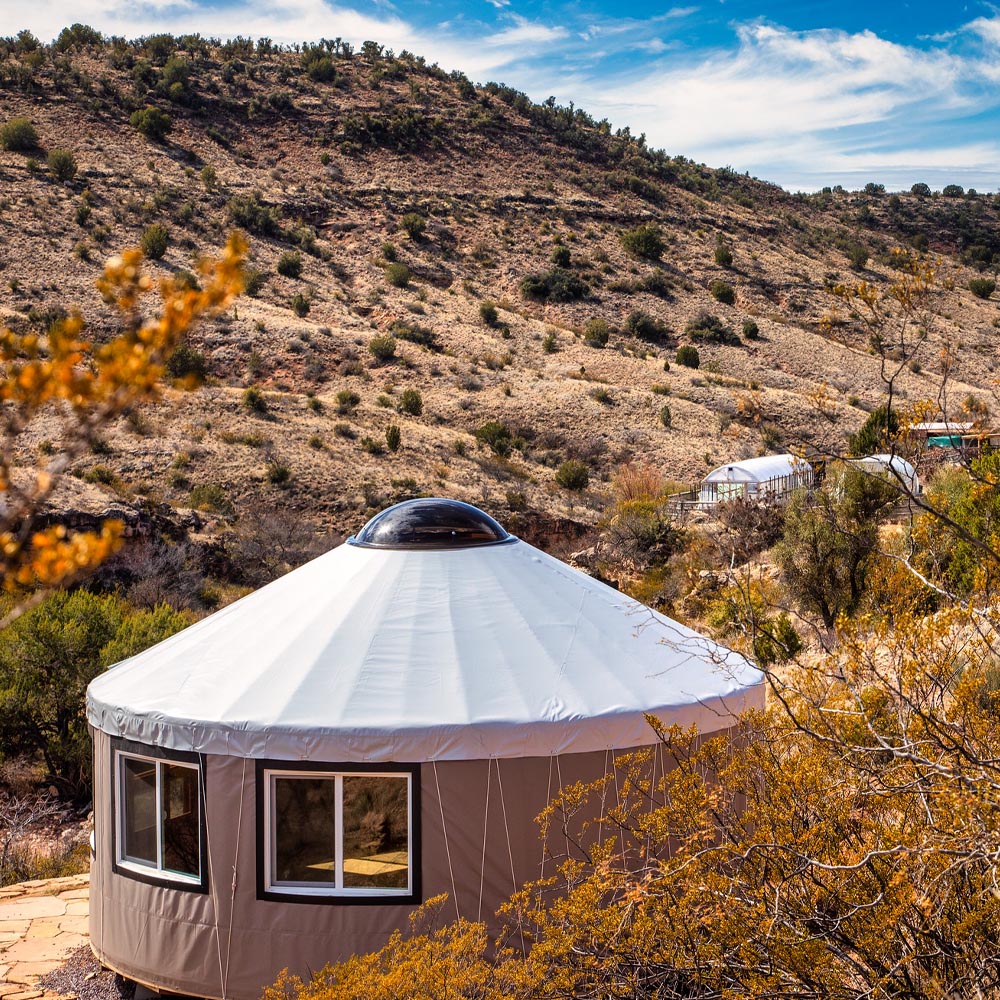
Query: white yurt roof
(757, 470)
(894, 468)
(403, 651)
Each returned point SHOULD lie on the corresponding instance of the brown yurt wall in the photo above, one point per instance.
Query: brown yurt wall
(228, 943)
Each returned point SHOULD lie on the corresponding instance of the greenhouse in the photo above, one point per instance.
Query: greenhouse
(893, 468)
(768, 477)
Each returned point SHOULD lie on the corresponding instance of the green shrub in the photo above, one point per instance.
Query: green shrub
(877, 433)
(561, 256)
(644, 241)
(186, 362)
(750, 329)
(382, 348)
(858, 256)
(300, 305)
(723, 255)
(596, 332)
(393, 437)
(209, 178)
(77, 36)
(488, 312)
(921, 190)
(249, 212)
(372, 446)
(48, 656)
(413, 224)
(415, 334)
(347, 400)
(154, 241)
(557, 285)
(710, 328)
(152, 123)
(665, 417)
(549, 343)
(253, 400)
(953, 190)
(174, 76)
(83, 213)
(62, 164)
(277, 472)
(874, 189)
(321, 69)
(573, 475)
(411, 402)
(388, 251)
(722, 292)
(290, 264)
(253, 281)
(602, 396)
(640, 324)
(496, 436)
(398, 275)
(18, 135)
(187, 280)
(982, 288)
(688, 356)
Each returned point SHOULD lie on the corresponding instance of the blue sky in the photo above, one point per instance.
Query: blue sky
(800, 94)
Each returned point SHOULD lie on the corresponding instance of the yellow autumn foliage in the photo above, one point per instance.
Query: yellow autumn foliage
(88, 385)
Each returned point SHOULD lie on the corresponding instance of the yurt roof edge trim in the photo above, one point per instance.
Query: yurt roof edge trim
(495, 740)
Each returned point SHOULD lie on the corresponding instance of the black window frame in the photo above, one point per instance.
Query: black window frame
(338, 897)
(136, 870)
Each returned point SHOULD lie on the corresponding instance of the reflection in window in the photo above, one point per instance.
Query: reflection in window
(159, 816)
(139, 819)
(338, 834)
(181, 827)
(305, 841)
(376, 840)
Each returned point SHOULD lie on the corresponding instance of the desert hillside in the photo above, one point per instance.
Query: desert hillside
(437, 255)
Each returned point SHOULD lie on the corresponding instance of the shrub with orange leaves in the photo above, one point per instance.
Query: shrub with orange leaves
(88, 385)
(840, 845)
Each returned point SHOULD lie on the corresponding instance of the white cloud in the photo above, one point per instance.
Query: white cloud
(524, 32)
(987, 28)
(786, 104)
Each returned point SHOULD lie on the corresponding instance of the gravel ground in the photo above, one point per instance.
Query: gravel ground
(81, 976)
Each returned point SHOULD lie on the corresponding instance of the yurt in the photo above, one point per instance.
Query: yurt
(892, 468)
(282, 783)
(769, 476)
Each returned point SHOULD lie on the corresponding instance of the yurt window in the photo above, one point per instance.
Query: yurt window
(158, 829)
(337, 833)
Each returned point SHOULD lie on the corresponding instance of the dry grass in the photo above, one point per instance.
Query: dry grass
(496, 197)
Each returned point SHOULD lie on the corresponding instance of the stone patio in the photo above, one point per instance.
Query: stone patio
(41, 923)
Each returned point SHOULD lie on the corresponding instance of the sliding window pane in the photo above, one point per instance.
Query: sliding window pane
(138, 778)
(376, 837)
(181, 819)
(304, 830)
